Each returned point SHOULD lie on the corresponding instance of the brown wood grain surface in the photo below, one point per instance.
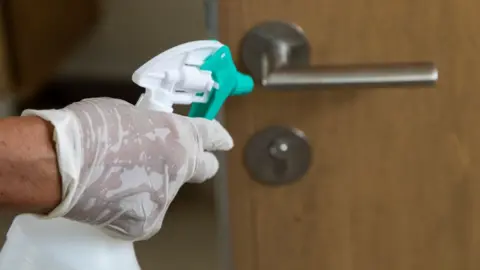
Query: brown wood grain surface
(394, 182)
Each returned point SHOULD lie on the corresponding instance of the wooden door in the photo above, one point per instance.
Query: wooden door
(395, 178)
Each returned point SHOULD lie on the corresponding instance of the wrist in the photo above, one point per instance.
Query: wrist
(28, 162)
(66, 137)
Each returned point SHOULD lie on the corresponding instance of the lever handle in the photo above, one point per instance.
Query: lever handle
(277, 55)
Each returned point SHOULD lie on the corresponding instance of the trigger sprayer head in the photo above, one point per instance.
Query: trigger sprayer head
(201, 73)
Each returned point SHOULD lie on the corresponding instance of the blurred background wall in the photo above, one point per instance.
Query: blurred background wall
(132, 32)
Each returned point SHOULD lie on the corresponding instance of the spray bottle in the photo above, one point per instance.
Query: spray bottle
(200, 73)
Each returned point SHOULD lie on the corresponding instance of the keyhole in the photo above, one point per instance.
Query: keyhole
(279, 150)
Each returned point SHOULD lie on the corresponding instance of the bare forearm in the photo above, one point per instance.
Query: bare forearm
(29, 178)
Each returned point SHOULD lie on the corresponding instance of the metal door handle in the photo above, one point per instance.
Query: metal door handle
(277, 55)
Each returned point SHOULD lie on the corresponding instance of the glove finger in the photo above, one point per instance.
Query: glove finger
(206, 168)
(213, 135)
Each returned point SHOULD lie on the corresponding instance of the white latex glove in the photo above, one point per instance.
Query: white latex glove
(121, 166)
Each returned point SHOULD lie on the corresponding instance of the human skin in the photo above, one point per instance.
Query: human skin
(29, 178)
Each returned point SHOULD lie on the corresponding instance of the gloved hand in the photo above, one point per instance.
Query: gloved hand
(121, 166)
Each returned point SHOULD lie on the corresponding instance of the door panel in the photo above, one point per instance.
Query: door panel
(393, 182)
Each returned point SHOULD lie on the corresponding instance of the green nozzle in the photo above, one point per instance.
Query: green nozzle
(230, 83)
(244, 85)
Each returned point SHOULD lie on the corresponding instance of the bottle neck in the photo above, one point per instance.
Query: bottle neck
(160, 101)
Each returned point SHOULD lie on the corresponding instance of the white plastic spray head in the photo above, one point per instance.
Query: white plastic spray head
(174, 77)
